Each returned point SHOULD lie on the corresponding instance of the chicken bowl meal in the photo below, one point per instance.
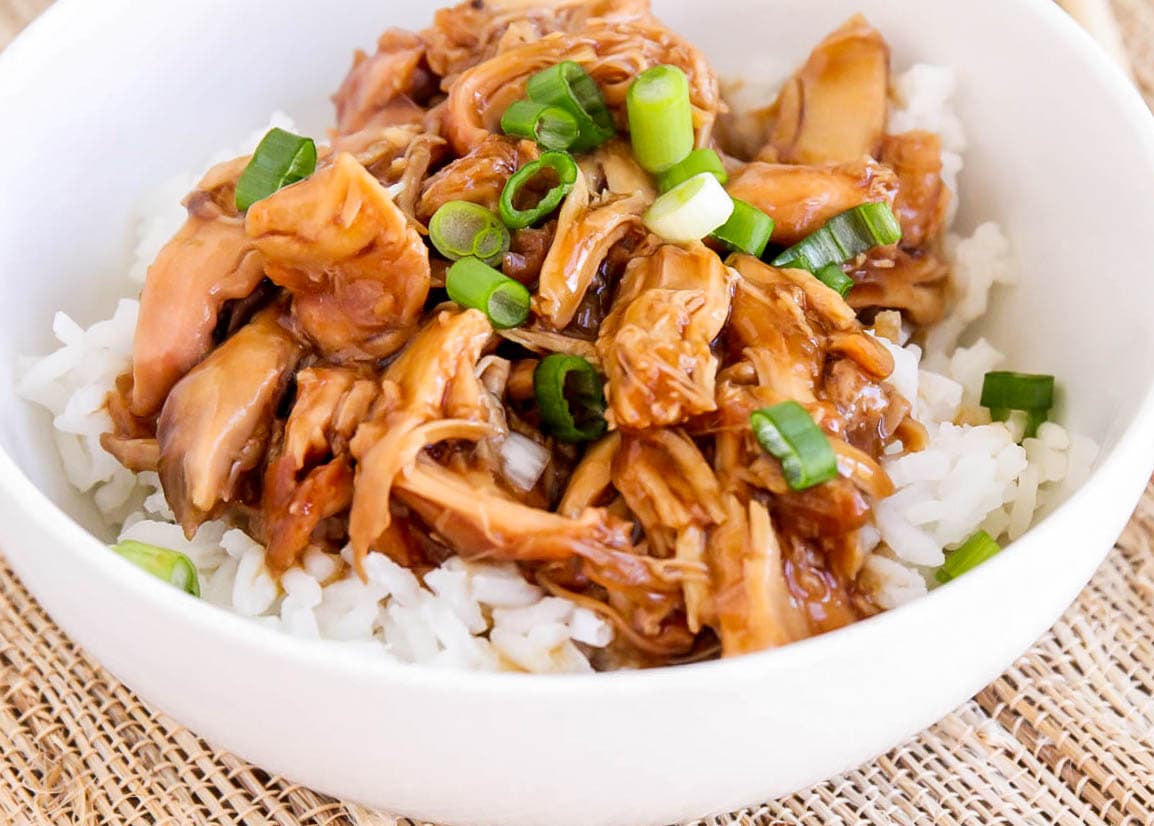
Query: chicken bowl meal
(571, 411)
(560, 352)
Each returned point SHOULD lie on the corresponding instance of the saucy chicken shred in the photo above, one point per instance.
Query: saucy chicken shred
(299, 368)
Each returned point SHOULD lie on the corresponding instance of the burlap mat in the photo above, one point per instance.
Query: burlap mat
(1064, 737)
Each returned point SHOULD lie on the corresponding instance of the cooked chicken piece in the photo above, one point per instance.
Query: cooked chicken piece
(209, 262)
(423, 154)
(915, 283)
(331, 402)
(520, 385)
(802, 198)
(138, 455)
(674, 494)
(613, 54)
(825, 596)
(430, 393)
(754, 607)
(834, 109)
(385, 89)
(804, 343)
(293, 507)
(481, 522)
(544, 342)
(923, 200)
(466, 34)
(359, 274)
(668, 486)
(528, 250)
(614, 169)
(873, 410)
(379, 149)
(655, 344)
(478, 177)
(592, 478)
(861, 468)
(216, 422)
(586, 232)
(786, 320)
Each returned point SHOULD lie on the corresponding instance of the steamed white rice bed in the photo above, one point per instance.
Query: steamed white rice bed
(972, 475)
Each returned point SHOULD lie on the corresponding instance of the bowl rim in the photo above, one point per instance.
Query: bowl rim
(1117, 467)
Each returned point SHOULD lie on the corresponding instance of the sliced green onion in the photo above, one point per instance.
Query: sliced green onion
(460, 229)
(568, 86)
(1004, 392)
(844, 237)
(1018, 391)
(280, 159)
(570, 398)
(833, 277)
(173, 567)
(698, 161)
(660, 118)
(690, 211)
(973, 552)
(473, 283)
(789, 433)
(817, 250)
(516, 212)
(866, 226)
(551, 126)
(748, 229)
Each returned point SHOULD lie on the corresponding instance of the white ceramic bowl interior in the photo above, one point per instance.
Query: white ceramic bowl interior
(100, 101)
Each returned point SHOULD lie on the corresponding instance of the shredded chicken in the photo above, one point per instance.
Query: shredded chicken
(655, 344)
(209, 262)
(478, 177)
(216, 422)
(310, 478)
(834, 109)
(915, 283)
(923, 200)
(389, 84)
(429, 394)
(300, 372)
(613, 53)
(586, 232)
(358, 272)
(802, 198)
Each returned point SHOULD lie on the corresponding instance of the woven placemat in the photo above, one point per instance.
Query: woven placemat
(1066, 736)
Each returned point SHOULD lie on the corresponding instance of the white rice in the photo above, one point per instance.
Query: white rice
(973, 475)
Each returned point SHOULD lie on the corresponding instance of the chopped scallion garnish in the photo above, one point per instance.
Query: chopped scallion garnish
(690, 211)
(555, 170)
(550, 126)
(748, 229)
(280, 159)
(1004, 391)
(1018, 391)
(789, 433)
(834, 278)
(660, 118)
(172, 566)
(460, 229)
(972, 553)
(568, 86)
(473, 283)
(698, 161)
(570, 398)
(843, 238)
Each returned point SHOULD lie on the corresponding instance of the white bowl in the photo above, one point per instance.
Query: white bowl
(100, 100)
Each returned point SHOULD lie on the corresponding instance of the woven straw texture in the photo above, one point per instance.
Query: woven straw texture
(1066, 736)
